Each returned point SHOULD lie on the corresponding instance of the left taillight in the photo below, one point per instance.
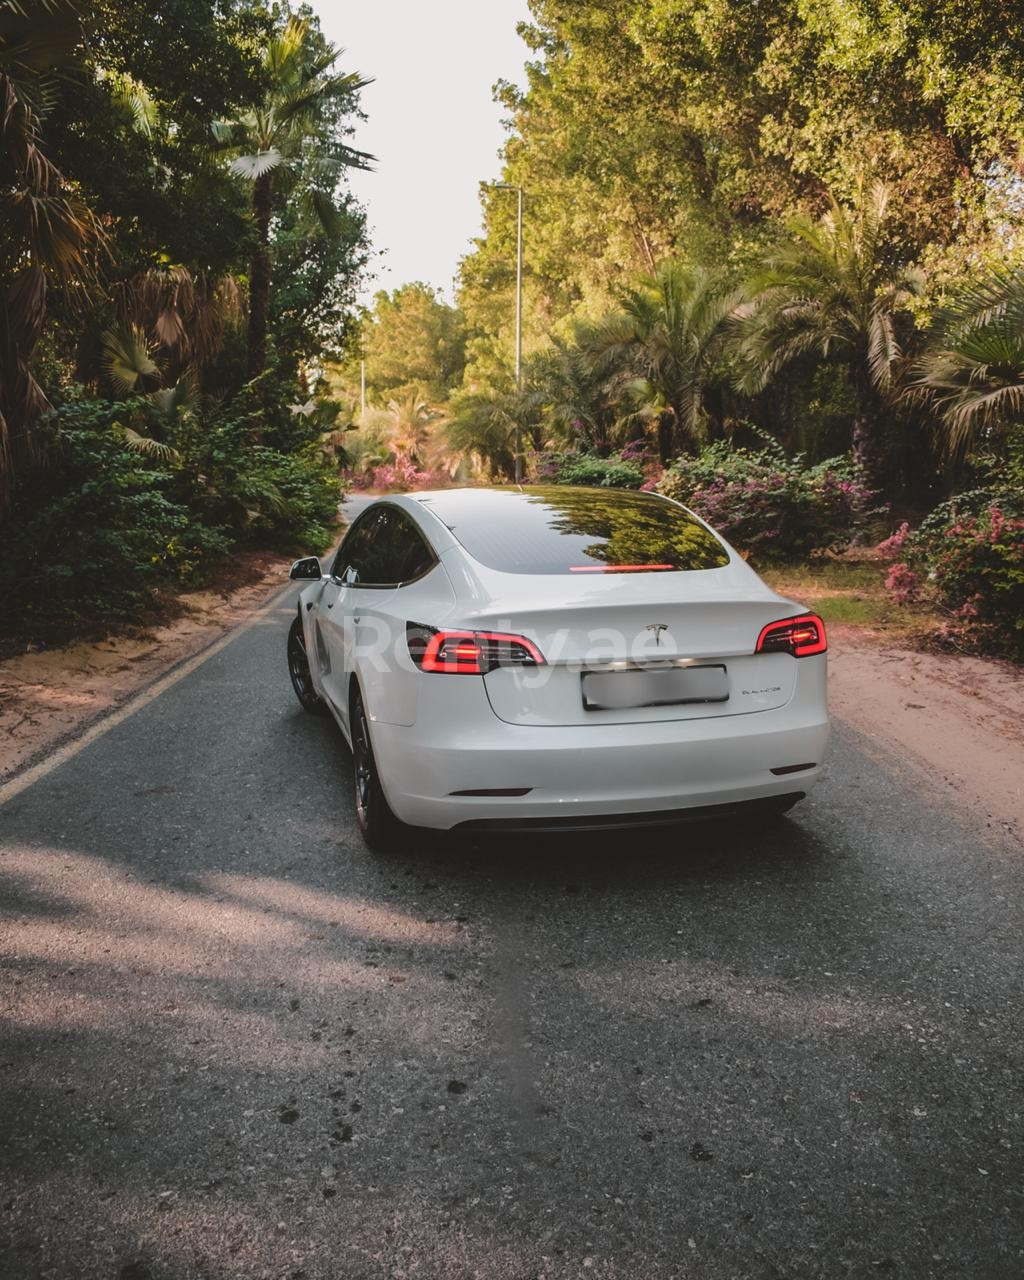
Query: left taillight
(469, 653)
(801, 636)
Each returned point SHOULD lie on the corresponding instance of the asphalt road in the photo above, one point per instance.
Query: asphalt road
(235, 1044)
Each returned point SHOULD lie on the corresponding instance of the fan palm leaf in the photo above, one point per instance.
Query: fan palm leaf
(127, 361)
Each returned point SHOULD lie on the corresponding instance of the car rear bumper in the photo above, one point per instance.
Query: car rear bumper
(571, 775)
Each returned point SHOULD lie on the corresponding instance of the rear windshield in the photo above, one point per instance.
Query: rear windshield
(563, 529)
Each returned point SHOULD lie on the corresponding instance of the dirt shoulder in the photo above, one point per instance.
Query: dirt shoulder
(52, 694)
(960, 719)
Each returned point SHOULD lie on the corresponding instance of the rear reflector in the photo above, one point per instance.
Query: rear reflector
(469, 653)
(494, 791)
(801, 637)
(793, 768)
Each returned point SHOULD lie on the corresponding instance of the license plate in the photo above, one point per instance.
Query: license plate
(619, 690)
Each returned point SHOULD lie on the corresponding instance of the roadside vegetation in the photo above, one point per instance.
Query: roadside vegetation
(178, 257)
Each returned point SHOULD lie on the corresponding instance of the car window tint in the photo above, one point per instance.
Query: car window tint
(416, 557)
(383, 549)
(354, 552)
(563, 529)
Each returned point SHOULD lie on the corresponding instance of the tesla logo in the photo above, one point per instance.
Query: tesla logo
(657, 628)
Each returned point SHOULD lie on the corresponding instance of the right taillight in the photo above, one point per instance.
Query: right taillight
(800, 636)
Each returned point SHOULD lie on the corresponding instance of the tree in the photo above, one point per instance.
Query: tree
(481, 427)
(974, 369)
(671, 332)
(47, 232)
(410, 419)
(835, 291)
(411, 339)
(292, 135)
(580, 395)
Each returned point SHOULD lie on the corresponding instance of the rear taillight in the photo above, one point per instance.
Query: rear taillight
(469, 653)
(800, 636)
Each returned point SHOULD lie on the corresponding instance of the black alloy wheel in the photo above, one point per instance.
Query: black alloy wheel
(298, 669)
(379, 826)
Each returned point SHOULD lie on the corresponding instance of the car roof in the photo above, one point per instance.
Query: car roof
(472, 500)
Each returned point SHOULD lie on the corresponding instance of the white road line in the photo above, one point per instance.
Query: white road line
(61, 756)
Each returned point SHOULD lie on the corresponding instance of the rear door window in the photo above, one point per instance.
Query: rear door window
(383, 549)
(577, 531)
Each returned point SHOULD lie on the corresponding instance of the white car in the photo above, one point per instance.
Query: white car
(556, 657)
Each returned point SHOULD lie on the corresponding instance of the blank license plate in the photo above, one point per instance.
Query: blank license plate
(617, 690)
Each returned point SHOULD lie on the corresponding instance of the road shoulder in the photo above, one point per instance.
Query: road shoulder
(50, 696)
(959, 719)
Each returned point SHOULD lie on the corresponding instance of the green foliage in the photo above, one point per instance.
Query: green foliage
(670, 334)
(588, 469)
(774, 507)
(293, 144)
(833, 290)
(105, 525)
(411, 341)
(256, 493)
(975, 367)
(99, 530)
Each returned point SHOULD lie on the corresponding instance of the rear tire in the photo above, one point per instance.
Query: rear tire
(377, 823)
(298, 669)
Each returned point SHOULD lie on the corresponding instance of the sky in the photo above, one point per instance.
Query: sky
(432, 123)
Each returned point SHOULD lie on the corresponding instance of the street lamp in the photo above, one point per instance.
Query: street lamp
(506, 186)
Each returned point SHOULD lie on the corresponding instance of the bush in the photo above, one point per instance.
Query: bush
(969, 555)
(588, 469)
(775, 507)
(262, 497)
(98, 529)
(402, 476)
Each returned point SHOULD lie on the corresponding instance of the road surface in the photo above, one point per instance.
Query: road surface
(235, 1044)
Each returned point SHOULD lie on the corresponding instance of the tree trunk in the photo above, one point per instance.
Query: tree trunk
(259, 275)
(666, 435)
(866, 443)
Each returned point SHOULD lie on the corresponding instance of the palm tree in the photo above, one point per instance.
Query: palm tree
(47, 233)
(670, 333)
(185, 314)
(287, 136)
(409, 422)
(577, 392)
(974, 369)
(834, 291)
(481, 427)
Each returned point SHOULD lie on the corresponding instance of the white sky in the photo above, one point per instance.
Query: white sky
(432, 124)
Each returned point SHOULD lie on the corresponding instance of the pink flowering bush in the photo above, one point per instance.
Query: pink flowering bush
(775, 507)
(401, 476)
(903, 584)
(970, 552)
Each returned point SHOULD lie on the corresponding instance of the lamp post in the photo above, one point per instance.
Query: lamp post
(506, 186)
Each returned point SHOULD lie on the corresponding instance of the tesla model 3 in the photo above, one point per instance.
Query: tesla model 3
(555, 657)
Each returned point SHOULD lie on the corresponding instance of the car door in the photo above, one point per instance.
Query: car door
(335, 604)
(366, 571)
(416, 590)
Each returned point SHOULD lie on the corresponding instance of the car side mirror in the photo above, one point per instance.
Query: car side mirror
(306, 569)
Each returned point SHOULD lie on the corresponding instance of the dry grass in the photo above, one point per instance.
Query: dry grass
(852, 592)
